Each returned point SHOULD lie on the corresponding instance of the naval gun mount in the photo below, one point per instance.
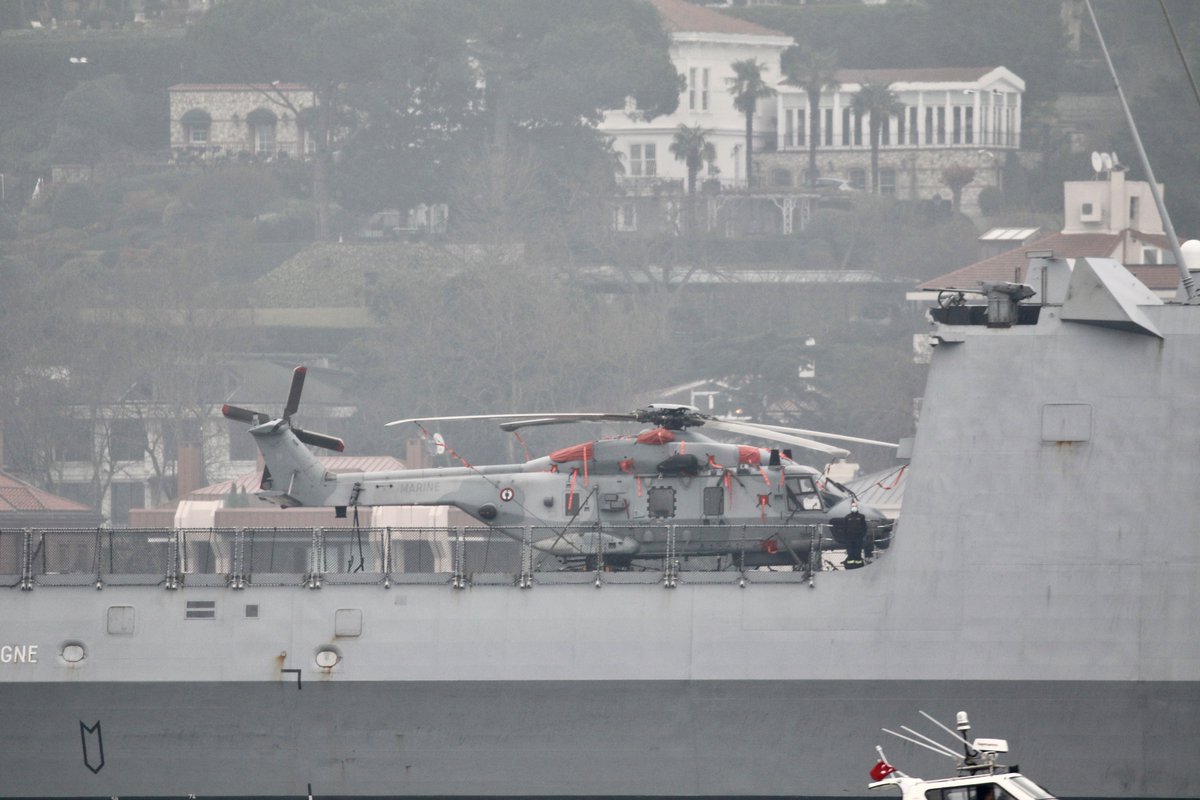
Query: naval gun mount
(1003, 309)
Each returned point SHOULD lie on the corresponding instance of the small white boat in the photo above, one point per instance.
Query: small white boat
(978, 775)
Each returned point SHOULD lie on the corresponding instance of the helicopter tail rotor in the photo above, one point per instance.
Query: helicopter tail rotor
(293, 404)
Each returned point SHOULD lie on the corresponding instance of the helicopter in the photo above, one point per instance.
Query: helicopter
(666, 491)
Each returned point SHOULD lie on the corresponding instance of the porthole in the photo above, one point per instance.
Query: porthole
(328, 658)
(73, 653)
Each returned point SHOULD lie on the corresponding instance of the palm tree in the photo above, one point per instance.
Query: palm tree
(878, 101)
(747, 86)
(692, 147)
(815, 71)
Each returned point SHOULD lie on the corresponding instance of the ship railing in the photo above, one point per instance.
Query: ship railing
(461, 557)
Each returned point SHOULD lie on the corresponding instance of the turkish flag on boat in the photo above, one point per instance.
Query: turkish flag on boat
(881, 771)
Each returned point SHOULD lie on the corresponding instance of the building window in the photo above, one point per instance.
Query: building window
(197, 125)
(1149, 255)
(127, 440)
(801, 127)
(1133, 212)
(858, 178)
(887, 181)
(969, 125)
(901, 118)
(262, 124)
(789, 128)
(626, 217)
(929, 125)
(264, 139)
(847, 127)
(827, 126)
(73, 440)
(941, 125)
(885, 131)
(781, 177)
(241, 444)
(697, 81)
(912, 126)
(958, 128)
(643, 160)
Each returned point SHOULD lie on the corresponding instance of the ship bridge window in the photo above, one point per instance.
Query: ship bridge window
(661, 501)
(802, 494)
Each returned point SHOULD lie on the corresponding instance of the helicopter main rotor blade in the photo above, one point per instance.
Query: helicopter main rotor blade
(819, 434)
(293, 401)
(563, 419)
(535, 419)
(762, 432)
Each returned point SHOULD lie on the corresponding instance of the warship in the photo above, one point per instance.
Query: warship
(1044, 571)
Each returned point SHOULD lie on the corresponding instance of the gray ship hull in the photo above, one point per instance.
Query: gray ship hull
(1045, 576)
(563, 738)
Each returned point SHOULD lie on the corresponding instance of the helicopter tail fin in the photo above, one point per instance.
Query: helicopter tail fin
(293, 476)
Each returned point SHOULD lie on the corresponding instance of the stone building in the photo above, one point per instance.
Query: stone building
(240, 120)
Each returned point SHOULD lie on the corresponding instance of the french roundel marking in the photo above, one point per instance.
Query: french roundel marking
(507, 494)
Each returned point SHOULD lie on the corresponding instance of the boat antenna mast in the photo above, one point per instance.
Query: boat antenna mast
(1184, 274)
(978, 755)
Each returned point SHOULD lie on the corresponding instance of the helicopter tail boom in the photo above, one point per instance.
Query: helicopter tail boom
(293, 475)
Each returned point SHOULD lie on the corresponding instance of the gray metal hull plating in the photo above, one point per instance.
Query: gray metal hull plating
(640, 738)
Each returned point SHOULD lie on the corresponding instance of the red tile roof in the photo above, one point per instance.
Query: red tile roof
(16, 495)
(680, 16)
(1010, 265)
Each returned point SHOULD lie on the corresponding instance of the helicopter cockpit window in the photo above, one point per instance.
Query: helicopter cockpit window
(802, 494)
(714, 501)
(662, 501)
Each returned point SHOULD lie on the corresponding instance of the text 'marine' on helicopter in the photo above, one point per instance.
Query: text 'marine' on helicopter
(666, 491)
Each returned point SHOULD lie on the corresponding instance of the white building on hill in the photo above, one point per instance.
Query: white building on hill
(704, 44)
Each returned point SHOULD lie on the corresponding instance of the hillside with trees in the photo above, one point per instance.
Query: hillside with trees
(125, 269)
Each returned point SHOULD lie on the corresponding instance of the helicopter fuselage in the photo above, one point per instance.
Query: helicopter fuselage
(656, 493)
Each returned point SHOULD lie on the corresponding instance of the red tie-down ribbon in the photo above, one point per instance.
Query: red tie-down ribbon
(764, 500)
(881, 770)
(571, 490)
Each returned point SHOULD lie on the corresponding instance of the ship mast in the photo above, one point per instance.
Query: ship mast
(1184, 274)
